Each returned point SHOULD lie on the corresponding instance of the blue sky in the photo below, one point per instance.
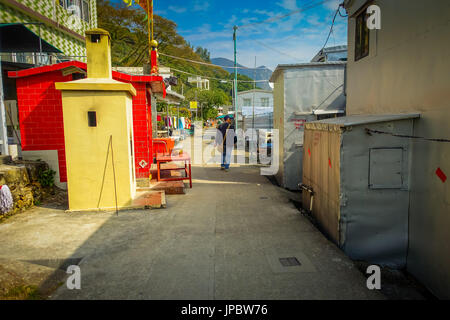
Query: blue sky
(294, 39)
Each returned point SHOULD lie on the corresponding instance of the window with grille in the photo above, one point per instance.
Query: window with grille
(79, 8)
(85, 10)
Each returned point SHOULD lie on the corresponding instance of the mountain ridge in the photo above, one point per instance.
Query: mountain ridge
(260, 73)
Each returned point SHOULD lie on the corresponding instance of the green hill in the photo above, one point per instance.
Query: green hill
(128, 29)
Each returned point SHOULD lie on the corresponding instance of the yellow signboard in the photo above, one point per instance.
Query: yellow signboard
(193, 104)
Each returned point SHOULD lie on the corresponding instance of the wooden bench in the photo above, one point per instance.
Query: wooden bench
(184, 157)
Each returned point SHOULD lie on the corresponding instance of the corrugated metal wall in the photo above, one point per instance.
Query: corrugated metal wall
(321, 164)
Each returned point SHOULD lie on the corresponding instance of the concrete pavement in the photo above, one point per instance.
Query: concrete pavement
(222, 240)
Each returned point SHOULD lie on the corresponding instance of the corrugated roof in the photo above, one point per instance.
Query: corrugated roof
(254, 90)
(355, 120)
(281, 67)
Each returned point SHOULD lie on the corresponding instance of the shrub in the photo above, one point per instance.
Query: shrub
(47, 178)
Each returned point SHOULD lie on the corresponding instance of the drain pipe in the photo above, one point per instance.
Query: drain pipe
(311, 192)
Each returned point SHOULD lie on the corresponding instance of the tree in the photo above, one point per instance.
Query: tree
(212, 113)
(128, 29)
(208, 101)
(161, 106)
(203, 53)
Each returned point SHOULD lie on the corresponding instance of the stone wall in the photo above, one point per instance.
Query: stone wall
(22, 179)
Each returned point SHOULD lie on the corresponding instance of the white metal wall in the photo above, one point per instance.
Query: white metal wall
(306, 90)
(407, 70)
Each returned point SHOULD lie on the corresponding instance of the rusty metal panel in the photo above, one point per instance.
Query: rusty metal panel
(321, 172)
(361, 185)
(386, 168)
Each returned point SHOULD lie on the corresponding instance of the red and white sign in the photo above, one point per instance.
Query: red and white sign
(299, 124)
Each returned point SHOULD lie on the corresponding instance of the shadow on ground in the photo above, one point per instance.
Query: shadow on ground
(225, 239)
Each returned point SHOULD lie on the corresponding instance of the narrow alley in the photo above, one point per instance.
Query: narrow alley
(223, 240)
(228, 155)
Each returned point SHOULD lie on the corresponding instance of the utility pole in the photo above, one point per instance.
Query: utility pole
(196, 110)
(168, 121)
(235, 80)
(254, 100)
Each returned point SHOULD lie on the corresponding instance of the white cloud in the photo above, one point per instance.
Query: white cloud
(290, 5)
(264, 12)
(204, 33)
(177, 9)
(332, 4)
(294, 52)
(201, 5)
(314, 20)
(293, 39)
(230, 23)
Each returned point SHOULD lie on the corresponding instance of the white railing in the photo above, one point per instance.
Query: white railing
(36, 58)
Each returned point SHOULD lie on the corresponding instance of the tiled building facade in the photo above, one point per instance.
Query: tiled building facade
(63, 21)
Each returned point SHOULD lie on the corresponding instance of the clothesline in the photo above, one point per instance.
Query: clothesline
(175, 122)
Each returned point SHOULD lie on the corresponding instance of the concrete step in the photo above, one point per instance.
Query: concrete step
(149, 199)
(169, 187)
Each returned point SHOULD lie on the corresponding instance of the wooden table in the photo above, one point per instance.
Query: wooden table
(162, 158)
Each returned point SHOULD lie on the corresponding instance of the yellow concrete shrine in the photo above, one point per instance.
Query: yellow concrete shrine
(98, 133)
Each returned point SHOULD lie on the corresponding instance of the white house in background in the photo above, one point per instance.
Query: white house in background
(337, 53)
(262, 100)
(172, 97)
(255, 109)
(399, 69)
(224, 110)
(303, 92)
(200, 82)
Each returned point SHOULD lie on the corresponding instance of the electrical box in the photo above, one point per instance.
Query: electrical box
(359, 183)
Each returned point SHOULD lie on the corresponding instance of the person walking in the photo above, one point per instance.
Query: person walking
(225, 140)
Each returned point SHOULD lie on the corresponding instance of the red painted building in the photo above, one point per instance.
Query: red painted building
(41, 117)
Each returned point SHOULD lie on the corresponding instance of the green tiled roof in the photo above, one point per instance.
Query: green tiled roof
(69, 44)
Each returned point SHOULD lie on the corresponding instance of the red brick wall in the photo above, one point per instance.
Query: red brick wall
(40, 115)
(142, 130)
(41, 119)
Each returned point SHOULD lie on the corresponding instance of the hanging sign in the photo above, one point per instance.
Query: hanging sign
(193, 104)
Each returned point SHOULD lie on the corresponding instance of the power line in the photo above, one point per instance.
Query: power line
(332, 25)
(297, 35)
(219, 79)
(204, 63)
(270, 20)
(370, 131)
(276, 50)
(343, 16)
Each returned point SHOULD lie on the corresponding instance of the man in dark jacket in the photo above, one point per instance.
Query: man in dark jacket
(226, 136)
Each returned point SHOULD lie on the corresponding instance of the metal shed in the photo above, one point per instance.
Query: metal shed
(356, 184)
(303, 92)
